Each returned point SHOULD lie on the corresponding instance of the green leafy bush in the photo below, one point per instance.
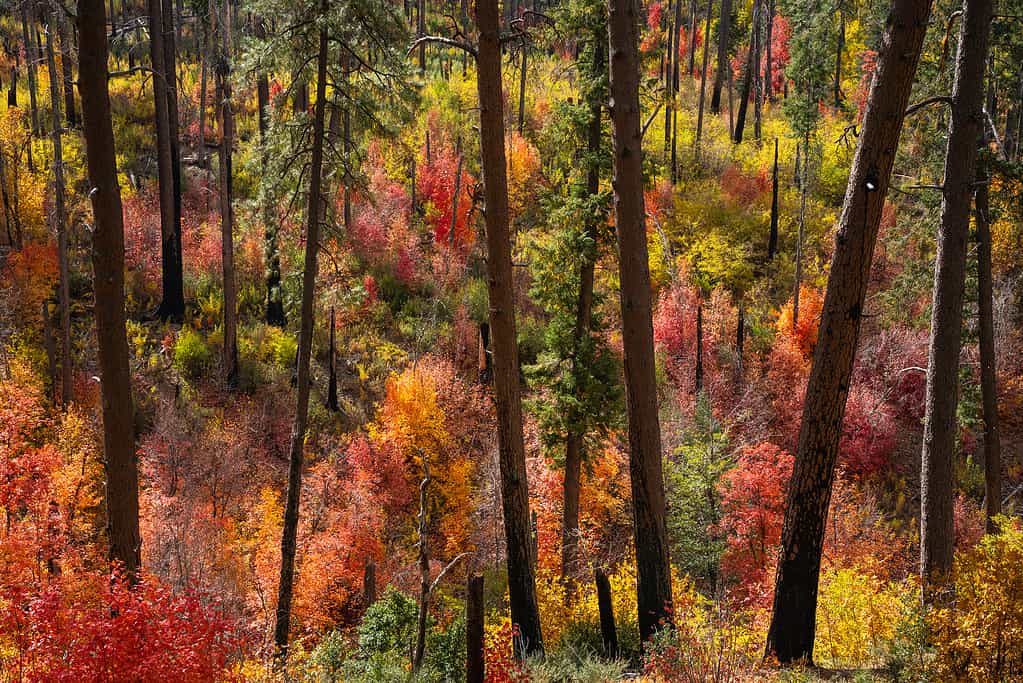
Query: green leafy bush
(192, 355)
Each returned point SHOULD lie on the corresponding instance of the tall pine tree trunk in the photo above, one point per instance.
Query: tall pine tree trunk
(748, 76)
(703, 74)
(653, 584)
(122, 501)
(289, 531)
(60, 219)
(514, 490)
(172, 307)
(988, 369)
(230, 360)
(793, 622)
(721, 75)
(940, 420)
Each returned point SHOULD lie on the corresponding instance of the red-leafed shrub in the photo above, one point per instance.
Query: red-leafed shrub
(753, 506)
(108, 630)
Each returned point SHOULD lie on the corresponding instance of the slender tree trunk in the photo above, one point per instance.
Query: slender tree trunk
(203, 77)
(274, 313)
(772, 240)
(332, 403)
(31, 59)
(514, 490)
(424, 574)
(703, 74)
(51, 352)
(721, 75)
(522, 91)
(740, 340)
(67, 59)
(940, 422)
(60, 218)
(305, 343)
(584, 314)
(170, 61)
(988, 369)
(837, 87)
(653, 584)
(747, 78)
(698, 374)
(227, 201)
(691, 41)
(768, 79)
(758, 81)
(346, 144)
(801, 236)
(474, 618)
(793, 621)
(122, 501)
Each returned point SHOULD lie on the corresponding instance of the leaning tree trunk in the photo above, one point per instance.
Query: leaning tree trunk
(60, 219)
(653, 586)
(793, 621)
(940, 421)
(226, 112)
(721, 75)
(748, 76)
(703, 75)
(988, 369)
(122, 500)
(289, 531)
(514, 490)
(583, 321)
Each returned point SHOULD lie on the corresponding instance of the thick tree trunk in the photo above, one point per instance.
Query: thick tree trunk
(988, 369)
(793, 621)
(748, 76)
(653, 584)
(937, 535)
(173, 305)
(230, 360)
(605, 607)
(305, 343)
(60, 220)
(514, 490)
(122, 501)
(721, 75)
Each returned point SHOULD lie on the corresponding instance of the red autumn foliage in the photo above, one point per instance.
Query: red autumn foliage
(753, 506)
(744, 188)
(104, 629)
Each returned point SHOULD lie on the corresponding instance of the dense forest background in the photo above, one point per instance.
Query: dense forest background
(554, 340)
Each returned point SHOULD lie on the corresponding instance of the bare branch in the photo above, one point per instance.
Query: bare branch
(441, 40)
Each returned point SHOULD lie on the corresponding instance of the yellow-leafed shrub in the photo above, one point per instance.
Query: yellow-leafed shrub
(979, 637)
(857, 616)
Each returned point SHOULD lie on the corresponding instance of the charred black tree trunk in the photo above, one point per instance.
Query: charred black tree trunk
(793, 622)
